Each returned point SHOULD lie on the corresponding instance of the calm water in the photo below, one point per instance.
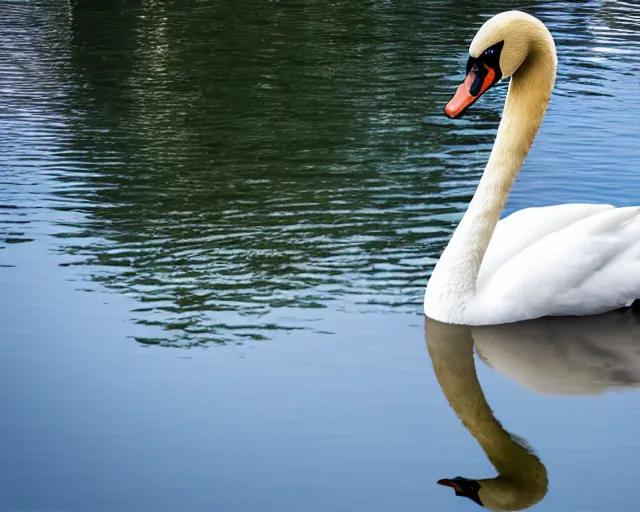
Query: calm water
(216, 225)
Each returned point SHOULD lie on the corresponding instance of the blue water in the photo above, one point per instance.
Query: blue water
(216, 225)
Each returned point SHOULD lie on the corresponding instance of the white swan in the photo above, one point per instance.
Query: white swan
(571, 259)
(522, 478)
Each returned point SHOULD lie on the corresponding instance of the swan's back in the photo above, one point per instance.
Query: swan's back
(571, 259)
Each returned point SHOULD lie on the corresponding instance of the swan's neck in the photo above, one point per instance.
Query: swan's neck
(522, 478)
(455, 275)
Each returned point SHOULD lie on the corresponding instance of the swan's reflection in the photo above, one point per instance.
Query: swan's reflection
(569, 356)
(553, 355)
(522, 478)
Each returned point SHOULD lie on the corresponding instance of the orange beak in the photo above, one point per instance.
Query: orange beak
(475, 84)
(449, 483)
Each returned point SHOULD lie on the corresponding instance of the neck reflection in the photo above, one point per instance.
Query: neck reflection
(522, 478)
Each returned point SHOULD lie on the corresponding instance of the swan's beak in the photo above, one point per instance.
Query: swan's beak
(451, 483)
(480, 78)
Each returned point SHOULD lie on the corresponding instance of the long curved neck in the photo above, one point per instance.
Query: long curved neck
(525, 106)
(522, 478)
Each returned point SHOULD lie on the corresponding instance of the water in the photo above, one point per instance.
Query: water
(268, 185)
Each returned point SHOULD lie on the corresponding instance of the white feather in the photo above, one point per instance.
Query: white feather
(568, 259)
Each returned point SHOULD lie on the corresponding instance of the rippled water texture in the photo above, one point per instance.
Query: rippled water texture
(242, 167)
(213, 174)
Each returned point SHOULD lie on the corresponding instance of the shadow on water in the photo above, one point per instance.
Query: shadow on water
(240, 168)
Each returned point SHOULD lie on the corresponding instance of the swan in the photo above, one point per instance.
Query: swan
(562, 260)
(522, 478)
(576, 356)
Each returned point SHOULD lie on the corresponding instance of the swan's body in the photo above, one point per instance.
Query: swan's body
(571, 259)
(522, 478)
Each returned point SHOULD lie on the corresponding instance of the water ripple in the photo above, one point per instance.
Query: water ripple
(244, 169)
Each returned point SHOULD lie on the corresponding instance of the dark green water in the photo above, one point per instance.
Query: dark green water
(270, 184)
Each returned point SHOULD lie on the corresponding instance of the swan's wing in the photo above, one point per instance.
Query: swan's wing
(521, 229)
(589, 266)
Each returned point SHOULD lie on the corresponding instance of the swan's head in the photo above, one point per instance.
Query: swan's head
(500, 493)
(505, 492)
(464, 487)
(497, 51)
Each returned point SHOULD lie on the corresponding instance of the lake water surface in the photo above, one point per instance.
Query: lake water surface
(216, 225)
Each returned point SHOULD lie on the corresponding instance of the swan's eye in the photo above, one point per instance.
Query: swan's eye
(491, 56)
